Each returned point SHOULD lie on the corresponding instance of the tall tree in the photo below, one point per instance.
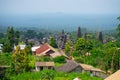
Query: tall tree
(79, 34)
(100, 37)
(17, 36)
(1, 35)
(112, 58)
(118, 34)
(20, 60)
(88, 45)
(53, 42)
(40, 35)
(118, 18)
(10, 40)
(26, 41)
(68, 47)
(80, 45)
(30, 34)
(118, 27)
(87, 36)
(63, 31)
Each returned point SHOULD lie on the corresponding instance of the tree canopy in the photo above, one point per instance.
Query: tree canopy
(9, 40)
(53, 42)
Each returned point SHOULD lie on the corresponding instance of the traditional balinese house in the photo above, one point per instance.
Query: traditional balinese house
(70, 66)
(34, 48)
(48, 50)
(94, 71)
(114, 76)
(44, 65)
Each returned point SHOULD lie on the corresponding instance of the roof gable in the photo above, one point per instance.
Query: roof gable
(42, 48)
(90, 68)
(45, 48)
(68, 67)
(86, 67)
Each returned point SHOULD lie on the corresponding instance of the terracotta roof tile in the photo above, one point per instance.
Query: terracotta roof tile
(42, 48)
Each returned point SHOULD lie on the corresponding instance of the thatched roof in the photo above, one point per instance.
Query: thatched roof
(68, 67)
(86, 67)
(90, 68)
(114, 76)
(44, 64)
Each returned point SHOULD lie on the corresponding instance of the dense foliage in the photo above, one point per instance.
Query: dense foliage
(20, 61)
(9, 40)
(53, 75)
(53, 42)
(5, 58)
(59, 59)
(68, 48)
(90, 50)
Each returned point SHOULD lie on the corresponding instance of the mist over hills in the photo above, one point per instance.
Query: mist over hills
(59, 21)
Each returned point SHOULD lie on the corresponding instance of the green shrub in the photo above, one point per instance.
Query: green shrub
(32, 61)
(5, 59)
(47, 74)
(79, 59)
(53, 75)
(43, 58)
(47, 58)
(76, 54)
(59, 59)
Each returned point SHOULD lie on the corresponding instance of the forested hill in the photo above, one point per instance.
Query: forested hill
(61, 21)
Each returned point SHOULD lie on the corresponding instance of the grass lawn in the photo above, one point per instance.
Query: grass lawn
(53, 75)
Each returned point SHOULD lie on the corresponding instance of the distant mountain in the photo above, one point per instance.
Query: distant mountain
(61, 21)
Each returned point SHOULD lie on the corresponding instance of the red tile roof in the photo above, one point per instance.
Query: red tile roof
(42, 48)
(44, 63)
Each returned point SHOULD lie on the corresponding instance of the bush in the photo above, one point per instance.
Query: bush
(47, 75)
(79, 59)
(53, 75)
(43, 58)
(32, 61)
(76, 54)
(47, 58)
(59, 59)
(5, 59)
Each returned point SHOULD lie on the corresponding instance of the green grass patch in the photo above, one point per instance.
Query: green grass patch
(5, 58)
(53, 75)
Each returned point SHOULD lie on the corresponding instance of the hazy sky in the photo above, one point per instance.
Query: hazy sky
(60, 6)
